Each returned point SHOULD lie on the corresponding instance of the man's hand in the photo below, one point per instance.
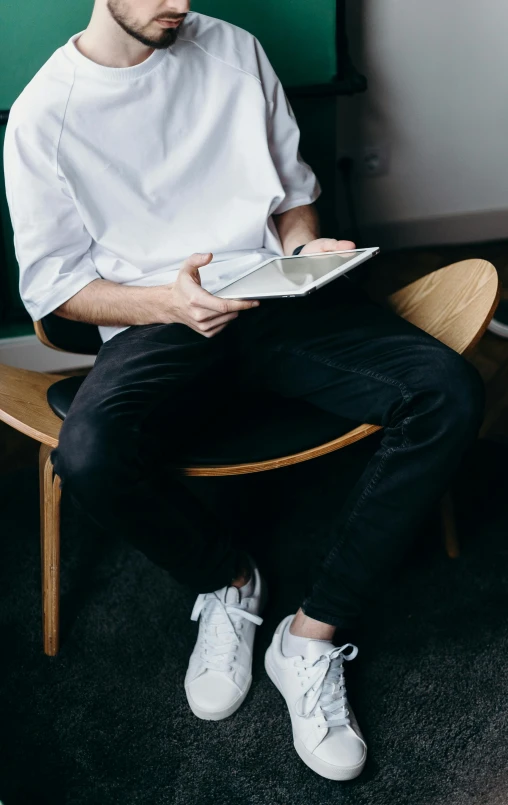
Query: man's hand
(327, 245)
(188, 303)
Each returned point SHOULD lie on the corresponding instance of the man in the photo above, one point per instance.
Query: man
(159, 133)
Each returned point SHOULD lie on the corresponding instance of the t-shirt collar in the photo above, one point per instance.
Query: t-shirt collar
(112, 73)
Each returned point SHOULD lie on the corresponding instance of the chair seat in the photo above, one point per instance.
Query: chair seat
(248, 428)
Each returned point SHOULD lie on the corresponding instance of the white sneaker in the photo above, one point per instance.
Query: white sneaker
(220, 668)
(325, 732)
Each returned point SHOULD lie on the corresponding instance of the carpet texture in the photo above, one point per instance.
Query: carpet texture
(107, 720)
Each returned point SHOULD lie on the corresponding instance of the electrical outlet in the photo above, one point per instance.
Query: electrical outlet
(368, 160)
(372, 160)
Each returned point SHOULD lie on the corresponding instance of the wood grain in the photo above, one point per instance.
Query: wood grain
(24, 406)
(50, 550)
(260, 466)
(454, 303)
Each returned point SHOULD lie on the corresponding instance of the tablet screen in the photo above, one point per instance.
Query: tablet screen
(308, 269)
(291, 275)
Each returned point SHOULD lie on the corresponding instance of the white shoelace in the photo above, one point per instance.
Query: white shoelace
(326, 692)
(222, 622)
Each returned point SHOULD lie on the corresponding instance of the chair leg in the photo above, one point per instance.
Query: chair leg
(50, 550)
(449, 527)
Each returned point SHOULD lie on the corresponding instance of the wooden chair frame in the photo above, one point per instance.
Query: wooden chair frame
(441, 302)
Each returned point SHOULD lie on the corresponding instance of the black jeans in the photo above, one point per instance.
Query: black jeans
(335, 349)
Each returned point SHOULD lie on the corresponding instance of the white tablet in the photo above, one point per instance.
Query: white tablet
(294, 275)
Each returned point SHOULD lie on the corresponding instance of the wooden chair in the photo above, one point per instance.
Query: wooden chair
(454, 304)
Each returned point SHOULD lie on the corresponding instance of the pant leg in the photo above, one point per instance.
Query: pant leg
(121, 436)
(362, 362)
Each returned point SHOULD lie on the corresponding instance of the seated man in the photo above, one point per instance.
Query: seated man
(153, 154)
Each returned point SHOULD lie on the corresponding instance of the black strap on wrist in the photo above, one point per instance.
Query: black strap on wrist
(298, 249)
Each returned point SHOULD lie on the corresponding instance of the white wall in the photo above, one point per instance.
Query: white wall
(27, 352)
(438, 95)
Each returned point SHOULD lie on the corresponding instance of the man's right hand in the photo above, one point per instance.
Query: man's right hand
(188, 303)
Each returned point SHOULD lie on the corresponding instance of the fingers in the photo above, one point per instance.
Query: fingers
(239, 304)
(214, 331)
(196, 297)
(207, 301)
(215, 321)
(203, 315)
(202, 300)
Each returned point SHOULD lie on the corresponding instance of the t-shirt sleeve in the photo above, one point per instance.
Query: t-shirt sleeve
(51, 243)
(297, 178)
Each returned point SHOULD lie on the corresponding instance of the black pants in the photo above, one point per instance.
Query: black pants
(335, 349)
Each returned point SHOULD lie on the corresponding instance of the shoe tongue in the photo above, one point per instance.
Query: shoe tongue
(218, 620)
(316, 648)
(228, 595)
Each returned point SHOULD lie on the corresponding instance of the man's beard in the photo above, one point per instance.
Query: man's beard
(165, 40)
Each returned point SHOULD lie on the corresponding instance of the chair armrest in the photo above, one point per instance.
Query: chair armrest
(24, 406)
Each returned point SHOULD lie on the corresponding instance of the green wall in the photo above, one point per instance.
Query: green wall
(29, 34)
(298, 36)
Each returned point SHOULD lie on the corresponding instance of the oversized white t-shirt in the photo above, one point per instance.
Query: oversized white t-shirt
(122, 173)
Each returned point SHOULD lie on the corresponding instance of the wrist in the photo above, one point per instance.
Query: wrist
(157, 305)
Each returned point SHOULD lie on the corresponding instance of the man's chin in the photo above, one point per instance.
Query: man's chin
(165, 40)
(169, 38)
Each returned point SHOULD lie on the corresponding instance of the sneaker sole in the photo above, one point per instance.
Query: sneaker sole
(316, 764)
(498, 329)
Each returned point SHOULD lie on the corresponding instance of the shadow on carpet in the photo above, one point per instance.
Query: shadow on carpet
(107, 720)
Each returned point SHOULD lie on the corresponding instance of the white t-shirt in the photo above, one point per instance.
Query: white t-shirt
(122, 173)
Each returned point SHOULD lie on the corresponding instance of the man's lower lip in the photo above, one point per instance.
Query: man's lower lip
(169, 23)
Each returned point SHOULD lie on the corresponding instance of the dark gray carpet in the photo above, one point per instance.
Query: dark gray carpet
(107, 720)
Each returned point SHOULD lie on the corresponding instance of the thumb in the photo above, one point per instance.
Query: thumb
(193, 263)
(345, 245)
(333, 245)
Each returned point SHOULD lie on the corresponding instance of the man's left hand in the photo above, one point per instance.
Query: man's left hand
(327, 245)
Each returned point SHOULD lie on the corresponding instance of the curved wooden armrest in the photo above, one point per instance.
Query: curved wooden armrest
(23, 403)
(454, 303)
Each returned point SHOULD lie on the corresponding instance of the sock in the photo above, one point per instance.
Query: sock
(295, 646)
(245, 564)
(248, 588)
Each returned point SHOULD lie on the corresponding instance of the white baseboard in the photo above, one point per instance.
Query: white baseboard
(472, 227)
(27, 352)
